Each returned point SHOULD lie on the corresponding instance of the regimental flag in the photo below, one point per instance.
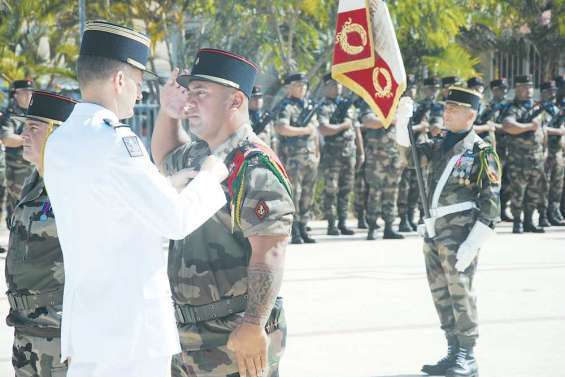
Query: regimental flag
(367, 58)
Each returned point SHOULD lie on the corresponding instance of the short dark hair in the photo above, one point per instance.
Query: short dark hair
(91, 68)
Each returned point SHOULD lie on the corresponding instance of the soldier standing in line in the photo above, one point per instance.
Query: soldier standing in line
(297, 127)
(34, 263)
(11, 128)
(382, 174)
(464, 184)
(525, 156)
(553, 121)
(261, 122)
(225, 277)
(339, 152)
(560, 101)
(360, 186)
(493, 115)
(446, 83)
(408, 186)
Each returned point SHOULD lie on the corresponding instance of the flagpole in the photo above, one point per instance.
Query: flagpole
(418, 167)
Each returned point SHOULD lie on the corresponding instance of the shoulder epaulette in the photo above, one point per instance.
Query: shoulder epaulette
(115, 125)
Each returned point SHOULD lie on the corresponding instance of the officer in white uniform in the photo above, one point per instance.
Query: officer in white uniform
(113, 209)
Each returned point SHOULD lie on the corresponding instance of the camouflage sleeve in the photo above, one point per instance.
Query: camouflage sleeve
(511, 114)
(489, 180)
(284, 115)
(324, 114)
(6, 127)
(175, 160)
(267, 208)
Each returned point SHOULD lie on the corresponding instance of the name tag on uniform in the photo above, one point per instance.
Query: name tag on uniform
(132, 145)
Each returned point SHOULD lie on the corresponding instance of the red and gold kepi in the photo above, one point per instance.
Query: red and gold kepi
(367, 58)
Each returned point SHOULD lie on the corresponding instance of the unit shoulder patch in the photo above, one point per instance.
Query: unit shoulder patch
(132, 146)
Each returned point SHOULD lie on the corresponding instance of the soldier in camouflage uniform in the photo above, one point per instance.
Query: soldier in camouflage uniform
(408, 186)
(464, 184)
(492, 116)
(260, 122)
(226, 275)
(382, 173)
(299, 150)
(17, 168)
(483, 127)
(525, 156)
(360, 187)
(34, 263)
(560, 102)
(338, 155)
(553, 120)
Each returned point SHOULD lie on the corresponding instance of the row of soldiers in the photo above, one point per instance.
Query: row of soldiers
(342, 142)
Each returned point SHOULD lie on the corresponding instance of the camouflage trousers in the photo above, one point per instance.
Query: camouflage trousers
(360, 190)
(221, 362)
(37, 356)
(339, 177)
(502, 150)
(408, 194)
(527, 183)
(382, 178)
(302, 170)
(555, 177)
(452, 291)
(15, 178)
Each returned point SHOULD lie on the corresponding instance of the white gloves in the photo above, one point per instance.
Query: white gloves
(469, 249)
(403, 115)
(180, 179)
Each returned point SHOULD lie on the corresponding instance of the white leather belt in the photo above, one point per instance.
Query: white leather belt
(453, 208)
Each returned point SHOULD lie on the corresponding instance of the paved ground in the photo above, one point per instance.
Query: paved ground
(363, 309)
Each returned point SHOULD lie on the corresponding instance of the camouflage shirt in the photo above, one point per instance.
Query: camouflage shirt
(527, 143)
(291, 109)
(550, 118)
(343, 141)
(475, 178)
(211, 263)
(266, 135)
(12, 125)
(34, 263)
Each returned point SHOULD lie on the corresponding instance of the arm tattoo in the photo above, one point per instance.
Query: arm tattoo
(264, 282)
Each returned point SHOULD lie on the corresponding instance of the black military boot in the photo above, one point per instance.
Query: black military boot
(343, 228)
(529, 225)
(543, 222)
(441, 367)
(410, 219)
(391, 234)
(555, 218)
(332, 229)
(372, 232)
(295, 234)
(517, 226)
(304, 234)
(465, 364)
(361, 221)
(421, 219)
(404, 226)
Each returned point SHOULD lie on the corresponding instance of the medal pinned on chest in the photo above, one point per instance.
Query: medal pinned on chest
(45, 211)
(463, 168)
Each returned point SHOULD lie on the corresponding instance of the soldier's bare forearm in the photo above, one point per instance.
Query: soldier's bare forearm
(515, 128)
(167, 136)
(264, 278)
